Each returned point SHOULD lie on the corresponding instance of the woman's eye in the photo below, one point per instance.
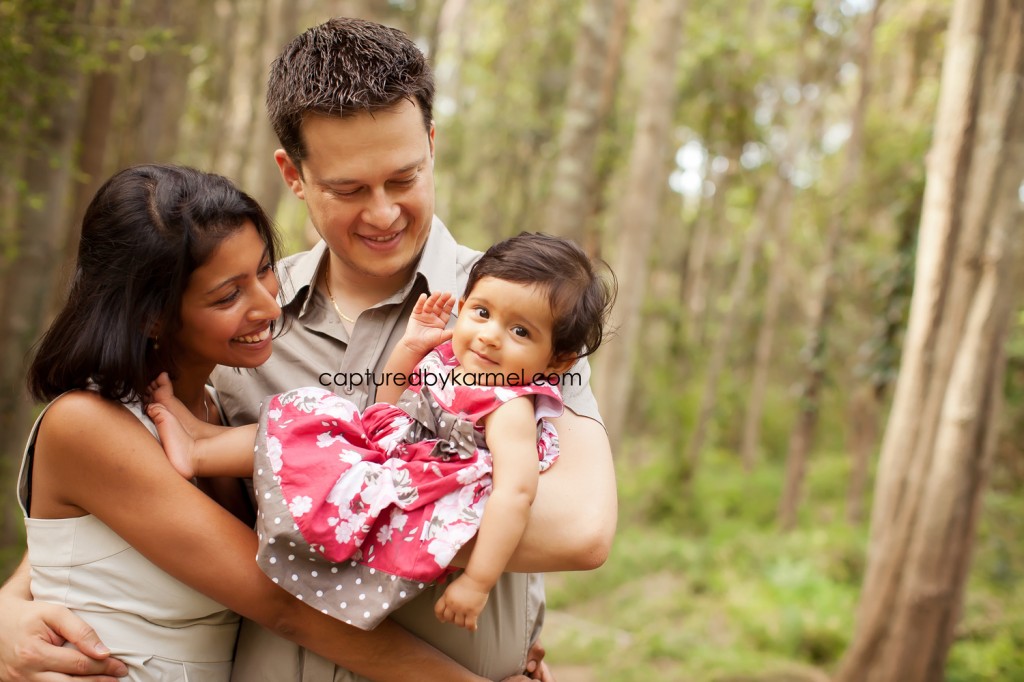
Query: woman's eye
(267, 267)
(230, 298)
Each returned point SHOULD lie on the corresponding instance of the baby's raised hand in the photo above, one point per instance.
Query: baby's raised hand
(461, 603)
(426, 328)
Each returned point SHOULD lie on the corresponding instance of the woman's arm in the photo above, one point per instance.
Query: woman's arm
(511, 433)
(32, 635)
(190, 537)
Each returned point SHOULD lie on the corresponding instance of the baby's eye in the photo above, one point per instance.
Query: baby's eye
(520, 332)
(482, 312)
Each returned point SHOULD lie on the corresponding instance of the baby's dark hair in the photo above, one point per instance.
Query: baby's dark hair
(580, 299)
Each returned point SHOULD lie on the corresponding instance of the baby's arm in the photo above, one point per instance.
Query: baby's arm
(425, 331)
(193, 447)
(511, 433)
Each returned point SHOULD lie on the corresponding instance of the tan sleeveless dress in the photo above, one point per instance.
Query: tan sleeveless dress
(162, 629)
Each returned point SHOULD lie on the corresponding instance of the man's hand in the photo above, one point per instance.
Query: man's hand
(536, 668)
(31, 639)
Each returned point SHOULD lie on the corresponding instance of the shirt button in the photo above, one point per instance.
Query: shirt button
(347, 390)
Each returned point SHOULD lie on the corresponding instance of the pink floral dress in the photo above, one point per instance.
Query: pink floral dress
(359, 512)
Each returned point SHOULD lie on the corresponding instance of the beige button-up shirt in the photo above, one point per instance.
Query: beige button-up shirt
(316, 350)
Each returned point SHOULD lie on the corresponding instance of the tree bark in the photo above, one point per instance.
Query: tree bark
(804, 432)
(242, 102)
(782, 224)
(637, 216)
(941, 431)
(575, 174)
(724, 342)
(41, 227)
(868, 399)
(260, 176)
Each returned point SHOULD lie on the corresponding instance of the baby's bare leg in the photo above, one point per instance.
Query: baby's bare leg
(161, 391)
(229, 452)
(178, 444)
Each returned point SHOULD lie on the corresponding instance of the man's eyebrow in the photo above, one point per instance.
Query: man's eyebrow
(352, 181)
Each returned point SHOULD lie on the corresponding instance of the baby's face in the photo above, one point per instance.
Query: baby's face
(504, 330)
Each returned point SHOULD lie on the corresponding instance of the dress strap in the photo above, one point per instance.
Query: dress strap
(25, 473)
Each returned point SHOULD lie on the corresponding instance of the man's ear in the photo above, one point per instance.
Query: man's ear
(290, 173)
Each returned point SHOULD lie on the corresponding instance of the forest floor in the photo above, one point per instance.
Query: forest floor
(712, 592)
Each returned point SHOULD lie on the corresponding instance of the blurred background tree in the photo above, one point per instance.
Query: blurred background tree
(754, 172)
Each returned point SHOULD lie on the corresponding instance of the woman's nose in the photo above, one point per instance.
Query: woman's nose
(266, 306)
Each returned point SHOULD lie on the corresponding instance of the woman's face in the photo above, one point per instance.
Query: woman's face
(228, 306)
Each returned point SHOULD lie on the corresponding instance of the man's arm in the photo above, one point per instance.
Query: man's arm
(572, 521)
(31, 635)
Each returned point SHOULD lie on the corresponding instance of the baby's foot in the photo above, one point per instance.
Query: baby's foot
(178, 444)
(162, 391)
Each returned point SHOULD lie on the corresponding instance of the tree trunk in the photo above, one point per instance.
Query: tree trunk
(724, 342)
(638, 215)
(97, 120)
(41, 227)
(575, 174)
(804, 432)
(242, 102)
(153, 98)
(802, 131)
(594, 203)
(782, 220)
(869, 399)
(260, 176)
(701, 256)
(941, 431)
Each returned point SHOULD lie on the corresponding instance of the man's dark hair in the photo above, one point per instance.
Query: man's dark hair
(342, 68)
(146, 231)
(580, 299)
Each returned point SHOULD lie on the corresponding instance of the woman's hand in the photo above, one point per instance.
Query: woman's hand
(31, 635)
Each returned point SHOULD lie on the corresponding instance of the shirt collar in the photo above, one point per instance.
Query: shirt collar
(437, 265)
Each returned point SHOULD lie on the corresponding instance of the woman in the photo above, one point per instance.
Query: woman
(174, 273)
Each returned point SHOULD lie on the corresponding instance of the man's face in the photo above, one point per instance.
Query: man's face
(368, 182)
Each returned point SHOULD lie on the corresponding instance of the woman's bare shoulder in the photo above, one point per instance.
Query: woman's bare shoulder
(77, 417)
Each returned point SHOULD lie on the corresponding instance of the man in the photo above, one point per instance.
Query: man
(351, 102)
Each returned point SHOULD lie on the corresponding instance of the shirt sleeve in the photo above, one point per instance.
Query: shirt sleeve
(576, 392)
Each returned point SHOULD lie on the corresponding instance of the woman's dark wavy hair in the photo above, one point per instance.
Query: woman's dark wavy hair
(147, 229)
(580, 299)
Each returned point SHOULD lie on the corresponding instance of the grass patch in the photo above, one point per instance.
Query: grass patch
(711, 591)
